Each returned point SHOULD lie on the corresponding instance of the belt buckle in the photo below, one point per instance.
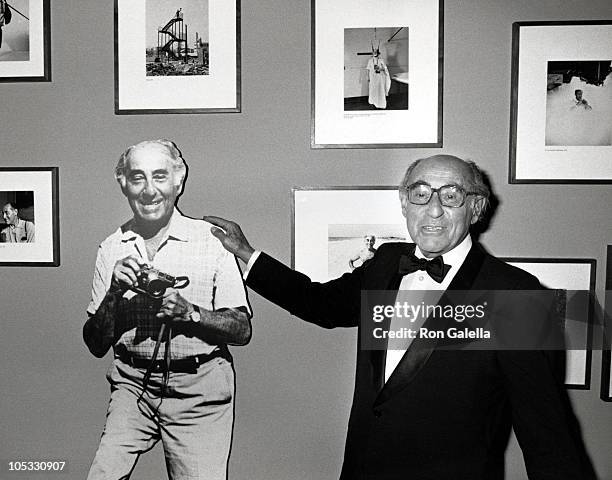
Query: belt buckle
(157, 366)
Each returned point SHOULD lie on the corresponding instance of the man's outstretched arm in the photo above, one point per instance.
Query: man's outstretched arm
(331, 304)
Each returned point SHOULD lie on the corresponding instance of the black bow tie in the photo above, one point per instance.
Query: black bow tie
(436, 268)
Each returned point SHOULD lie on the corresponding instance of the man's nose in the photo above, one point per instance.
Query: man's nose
(149, 189)
(434, 207)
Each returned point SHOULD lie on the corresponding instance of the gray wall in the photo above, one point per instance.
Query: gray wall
(294, 380)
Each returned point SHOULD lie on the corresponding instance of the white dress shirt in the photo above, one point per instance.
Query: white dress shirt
(421, 281)
(250, 263)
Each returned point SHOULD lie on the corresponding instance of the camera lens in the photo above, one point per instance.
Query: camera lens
(157, 287)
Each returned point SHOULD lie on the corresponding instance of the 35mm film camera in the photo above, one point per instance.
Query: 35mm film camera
(154, 283)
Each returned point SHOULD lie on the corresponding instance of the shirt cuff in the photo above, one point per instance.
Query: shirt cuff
(252, 260)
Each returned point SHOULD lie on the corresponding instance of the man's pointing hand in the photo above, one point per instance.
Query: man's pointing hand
(231, 237)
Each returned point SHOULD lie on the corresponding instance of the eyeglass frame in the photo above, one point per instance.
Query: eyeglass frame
(465, 192)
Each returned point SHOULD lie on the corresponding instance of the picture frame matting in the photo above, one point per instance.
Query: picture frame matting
(561, 102)
(345, 113)
(25, 51)
(177, 56)
(32, 237)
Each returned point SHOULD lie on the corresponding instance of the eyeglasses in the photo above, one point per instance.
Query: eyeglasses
(449, 195)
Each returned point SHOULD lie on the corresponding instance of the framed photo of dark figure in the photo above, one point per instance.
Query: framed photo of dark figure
(577, 277)
(29, 223)
(376, 73)
(25, 41)
(560, 128)
(177, 56)
(606, 356)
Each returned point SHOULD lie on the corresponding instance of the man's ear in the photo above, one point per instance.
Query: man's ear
(477, 208)
(122, 184)
(179, 185)
(403, 196)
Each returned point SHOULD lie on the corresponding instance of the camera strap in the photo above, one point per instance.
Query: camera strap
(168, 359)
(147, 375)
(181, 282)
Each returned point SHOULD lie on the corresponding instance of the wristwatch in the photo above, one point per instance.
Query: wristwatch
(195, 314)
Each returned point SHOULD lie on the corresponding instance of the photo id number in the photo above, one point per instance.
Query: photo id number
(36, 465)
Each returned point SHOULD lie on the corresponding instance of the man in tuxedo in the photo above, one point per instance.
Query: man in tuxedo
(425, 412)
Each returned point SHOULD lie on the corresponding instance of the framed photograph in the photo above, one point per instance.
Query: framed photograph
(29, 227)
(335, 229)
(577, 277)
(25, 41)
(177, 56)
(389, 92)
(606, 356)
(560, 129)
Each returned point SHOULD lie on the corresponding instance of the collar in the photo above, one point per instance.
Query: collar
(177, 229)
(456, 256)
(20, 223)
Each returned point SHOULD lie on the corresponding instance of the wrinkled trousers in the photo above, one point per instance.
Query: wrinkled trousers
(193, 420)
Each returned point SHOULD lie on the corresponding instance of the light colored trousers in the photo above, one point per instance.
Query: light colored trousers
(194, 422)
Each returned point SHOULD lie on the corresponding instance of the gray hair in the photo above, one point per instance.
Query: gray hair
(170, 148)
(477, 184)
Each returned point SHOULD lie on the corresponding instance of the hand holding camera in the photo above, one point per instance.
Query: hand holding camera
(176, 307)
(125, 273)
(134, 273)
(153, 282)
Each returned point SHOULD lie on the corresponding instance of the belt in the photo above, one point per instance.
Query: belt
(182, 365)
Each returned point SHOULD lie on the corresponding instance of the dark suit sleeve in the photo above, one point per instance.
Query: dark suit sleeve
(332, 304)
(542, 416)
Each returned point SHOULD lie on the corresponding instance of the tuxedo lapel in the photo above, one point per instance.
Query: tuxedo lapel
(389, 283)
(420, 350)
(468, 273)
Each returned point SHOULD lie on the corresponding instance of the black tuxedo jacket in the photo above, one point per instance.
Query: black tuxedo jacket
(443, 414)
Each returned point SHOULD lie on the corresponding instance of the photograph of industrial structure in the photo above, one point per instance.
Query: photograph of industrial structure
(177, 37)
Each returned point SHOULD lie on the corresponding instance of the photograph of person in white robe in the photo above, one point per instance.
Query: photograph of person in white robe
(380, 82)
(376, 73)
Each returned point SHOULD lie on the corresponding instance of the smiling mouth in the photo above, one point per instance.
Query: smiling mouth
(154, 204)
(432, 228)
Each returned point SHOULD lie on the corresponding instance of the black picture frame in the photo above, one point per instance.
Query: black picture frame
(606, 353)
(38, 66)
(43, 183)
(544, 146)
(579, 332)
